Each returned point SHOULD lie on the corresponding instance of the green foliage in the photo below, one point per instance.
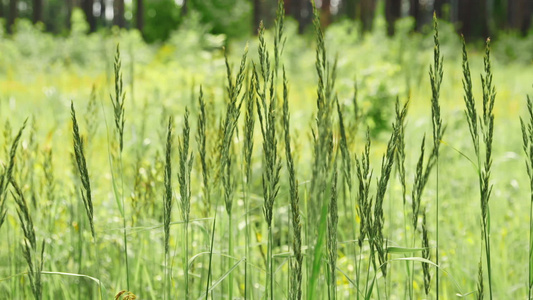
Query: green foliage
(78, 23)
(229, 17)
(161, 18)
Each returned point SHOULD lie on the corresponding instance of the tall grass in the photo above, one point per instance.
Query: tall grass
(227, 152)
(30, 251)
(82, 169)
(296, 266)
(267, 114)
(85, 189)
(435, 74)
(167, 206)
(317, 208)
(484, 131)
(7, 173)
(119, 117)
(184, 180)
(364, 210)
(205, 162)
(201, 141)
(527, 138)
(332, 243)
(248, 147)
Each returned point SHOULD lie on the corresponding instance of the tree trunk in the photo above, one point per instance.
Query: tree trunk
(103, 20)
(37, 11)
(499, 14)
(257, 16)
(140, 15)
(306, 15)
(519, 15)
(350, 8)
(287, 5)
(473, 18)
(414, 11)
(325, 13)
(528, 11)
(87, 7)
(118, 13)
(368, 9)
(12, 15)
(184, 8)
(69, 5)
(437, 7)
(393, 10)
(1, 9)
(293, 8)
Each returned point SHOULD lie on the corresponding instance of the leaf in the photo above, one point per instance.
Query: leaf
(216, 283)
(402, 250)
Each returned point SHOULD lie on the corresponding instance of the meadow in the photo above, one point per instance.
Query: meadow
(330, 165)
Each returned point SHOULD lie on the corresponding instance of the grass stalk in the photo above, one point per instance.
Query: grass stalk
(226, 148)
(435, 75)
(33, 258)
(248, 146)
(400, 167)
(82, 169)
(364, 205)
(266, 111)
(527, 136)
(184, 179)
(489, 96)
(426, 254)
(267, 114)
(322, 160)
(295, 292)
(349, 211)
(484, 132)
(167, 207)
(85, 189)
(118, 112)
(7, 175)
(201, 141)
(333, 220)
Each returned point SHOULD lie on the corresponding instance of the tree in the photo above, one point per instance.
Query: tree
(184, 8)
(103, 20)
(37, 11)
(368, 9)
(519, 15)
(140, 15)
(118, 13)
(257, 15)
(295, 9)
(87, 7)
(158, 26)
(392, 13)
(230, 17)
(416, 13)
(325, 13)
(473, 18)
(350, 8)
(70, 6)
(12, 15)
(437, 6)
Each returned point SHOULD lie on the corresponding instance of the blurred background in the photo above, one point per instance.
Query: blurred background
(156, 19)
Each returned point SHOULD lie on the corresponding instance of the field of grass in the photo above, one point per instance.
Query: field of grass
(287, 169)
